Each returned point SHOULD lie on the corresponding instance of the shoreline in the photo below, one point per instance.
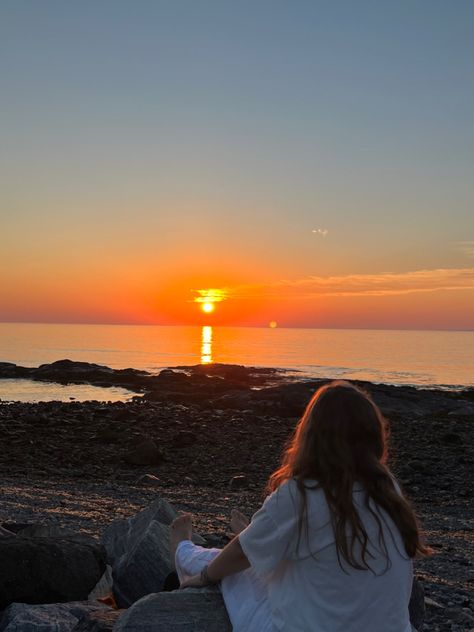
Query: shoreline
(207, 444)
(140, 381)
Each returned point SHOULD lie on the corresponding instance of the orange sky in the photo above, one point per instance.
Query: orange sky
(313, 163)
(437, 299)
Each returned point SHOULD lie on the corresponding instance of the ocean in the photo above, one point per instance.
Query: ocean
(430, 359)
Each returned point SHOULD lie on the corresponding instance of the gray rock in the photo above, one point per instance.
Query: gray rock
(148, 480)
(53, 531)
(238, 482)
(138, 551)
(103, 588)
(47, 570)
(102, 620)
(57, 617)
(142, 569)
(187, 610)
(122, 535)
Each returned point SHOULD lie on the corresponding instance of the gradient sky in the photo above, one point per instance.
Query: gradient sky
(153, 148)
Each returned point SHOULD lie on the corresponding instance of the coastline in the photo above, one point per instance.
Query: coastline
(212, 436)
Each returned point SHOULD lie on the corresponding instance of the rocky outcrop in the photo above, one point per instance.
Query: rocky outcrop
(188, 610)
(233, 387)
(47, 570)
(67, 371)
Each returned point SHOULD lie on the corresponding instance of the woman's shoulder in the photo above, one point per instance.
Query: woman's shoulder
(286, 502)
(291, 490)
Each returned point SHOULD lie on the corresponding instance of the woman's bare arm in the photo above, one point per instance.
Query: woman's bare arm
(230, 560)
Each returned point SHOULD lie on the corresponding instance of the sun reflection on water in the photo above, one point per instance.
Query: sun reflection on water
(206, 345)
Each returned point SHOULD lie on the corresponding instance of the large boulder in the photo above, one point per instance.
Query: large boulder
(48, 569)
(138, 551)
(143, 569)
(188, 610)
(123, 535)
(56, 617)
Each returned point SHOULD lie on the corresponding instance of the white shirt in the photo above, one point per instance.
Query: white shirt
(307, 589)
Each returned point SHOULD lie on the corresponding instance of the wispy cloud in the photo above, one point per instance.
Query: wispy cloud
(383, 284)
(210, 295)
(466, 247)
(323, 232)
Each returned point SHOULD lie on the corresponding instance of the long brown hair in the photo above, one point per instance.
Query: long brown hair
(340, 440)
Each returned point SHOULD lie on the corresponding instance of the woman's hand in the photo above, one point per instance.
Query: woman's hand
(192, 582)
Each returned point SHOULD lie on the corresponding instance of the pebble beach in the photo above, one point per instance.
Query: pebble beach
(207, 440)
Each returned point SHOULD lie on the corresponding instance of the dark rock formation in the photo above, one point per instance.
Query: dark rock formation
(47, 570)
(67, 372)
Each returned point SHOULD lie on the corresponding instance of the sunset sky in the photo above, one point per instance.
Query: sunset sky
(311, 161)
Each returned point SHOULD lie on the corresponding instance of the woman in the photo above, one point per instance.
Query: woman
(331, 548)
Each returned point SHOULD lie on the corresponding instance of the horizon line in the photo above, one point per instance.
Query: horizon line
(108, 324)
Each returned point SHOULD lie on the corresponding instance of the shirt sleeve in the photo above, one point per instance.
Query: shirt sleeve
(272, 534)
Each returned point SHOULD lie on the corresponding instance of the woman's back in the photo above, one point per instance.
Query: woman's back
(310, 587)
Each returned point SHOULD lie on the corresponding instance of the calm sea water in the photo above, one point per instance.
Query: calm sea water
(420, 358)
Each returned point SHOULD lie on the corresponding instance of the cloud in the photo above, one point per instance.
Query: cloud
(383, 284)
(320, 231)
(210, 295)
(467, 248)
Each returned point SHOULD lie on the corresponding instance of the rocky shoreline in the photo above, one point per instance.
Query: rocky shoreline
(207, 438)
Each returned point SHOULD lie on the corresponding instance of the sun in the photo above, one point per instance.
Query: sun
(207, 307)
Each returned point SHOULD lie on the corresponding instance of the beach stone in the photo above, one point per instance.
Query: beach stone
(47, 570)
(57, 617)
(431, 603)
(148, 480)
(238, 482)
(145, 453)
(187, 610)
